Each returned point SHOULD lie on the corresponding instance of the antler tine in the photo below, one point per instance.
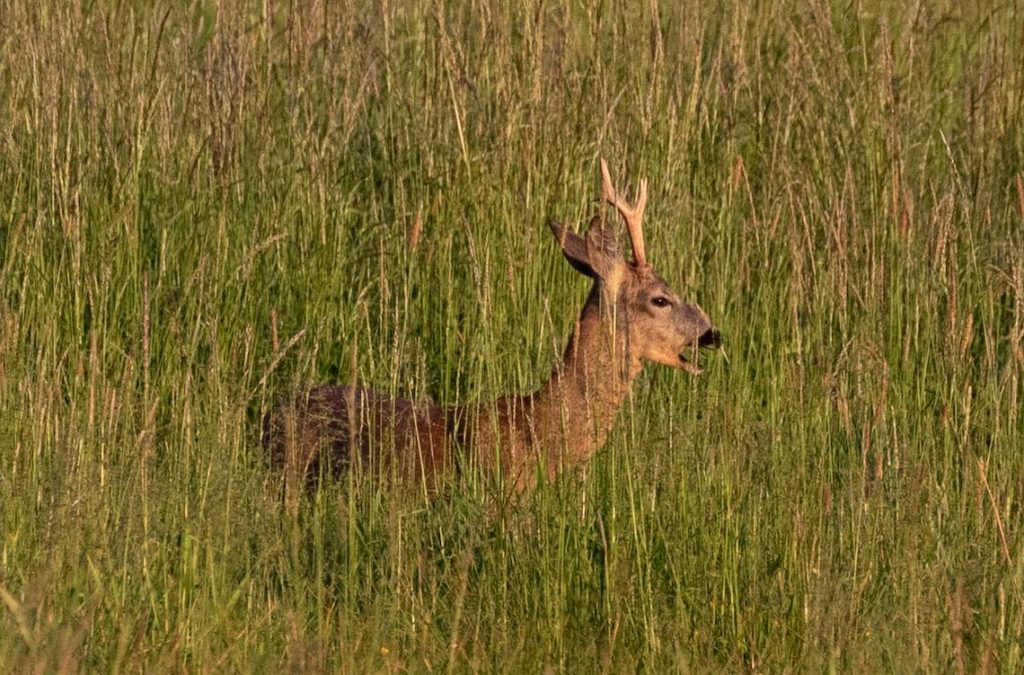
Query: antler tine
(633, 214)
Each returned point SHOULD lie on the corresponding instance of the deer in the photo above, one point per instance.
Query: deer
(631, 316)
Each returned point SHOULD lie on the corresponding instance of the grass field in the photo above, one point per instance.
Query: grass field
(204, 208)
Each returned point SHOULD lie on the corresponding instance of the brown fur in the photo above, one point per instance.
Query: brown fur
(630, 316)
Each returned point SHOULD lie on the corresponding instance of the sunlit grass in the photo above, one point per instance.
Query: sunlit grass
(204, 209)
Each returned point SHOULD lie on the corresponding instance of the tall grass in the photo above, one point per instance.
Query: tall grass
(204, 207)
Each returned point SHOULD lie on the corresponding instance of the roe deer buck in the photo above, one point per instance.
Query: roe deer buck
(630, 316)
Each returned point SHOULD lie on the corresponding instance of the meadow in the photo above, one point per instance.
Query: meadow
(205, 207)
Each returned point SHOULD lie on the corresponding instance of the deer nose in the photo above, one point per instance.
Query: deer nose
(710, 338)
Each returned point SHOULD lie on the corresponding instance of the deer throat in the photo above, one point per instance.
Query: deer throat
(587, 390)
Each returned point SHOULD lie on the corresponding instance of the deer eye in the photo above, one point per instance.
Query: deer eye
(660, 301)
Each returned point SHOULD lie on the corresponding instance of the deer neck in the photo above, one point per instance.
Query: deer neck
(575, 410)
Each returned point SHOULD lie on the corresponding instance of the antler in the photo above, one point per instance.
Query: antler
(632, 213)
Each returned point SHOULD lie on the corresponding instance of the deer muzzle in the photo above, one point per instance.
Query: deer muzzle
(709, 339)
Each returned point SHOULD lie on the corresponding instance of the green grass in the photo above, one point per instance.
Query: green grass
(205, 208)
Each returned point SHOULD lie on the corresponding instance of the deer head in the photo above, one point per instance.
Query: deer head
(649, 320)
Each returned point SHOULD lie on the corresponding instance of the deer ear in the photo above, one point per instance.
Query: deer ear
(594, 256)
(573, 247)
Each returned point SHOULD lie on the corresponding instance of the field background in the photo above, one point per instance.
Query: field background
(204, 207)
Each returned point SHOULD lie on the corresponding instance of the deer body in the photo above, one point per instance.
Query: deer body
(630, 316)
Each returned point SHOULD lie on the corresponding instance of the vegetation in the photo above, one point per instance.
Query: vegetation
(204, 207)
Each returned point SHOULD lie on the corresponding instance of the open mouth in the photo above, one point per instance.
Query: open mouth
(710, 339)
(690, 364)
